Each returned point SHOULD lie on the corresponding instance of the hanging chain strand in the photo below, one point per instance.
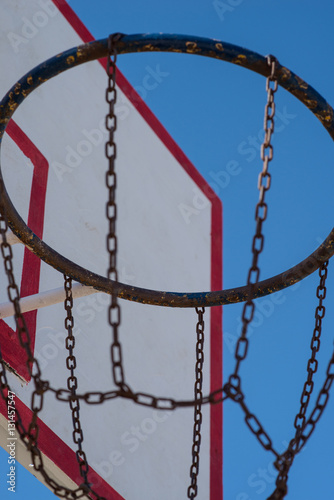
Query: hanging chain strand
(320, 405)
(233, 387)
(114, 312)
(72, 382)
(264, 182)
(194, 469)
(312, 364)
(284, 462)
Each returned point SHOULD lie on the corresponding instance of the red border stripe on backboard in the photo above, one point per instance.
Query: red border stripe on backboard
(59, 448)
(216, 353)
(12, 351)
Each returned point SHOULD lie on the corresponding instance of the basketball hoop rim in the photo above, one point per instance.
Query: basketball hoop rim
(162, 43)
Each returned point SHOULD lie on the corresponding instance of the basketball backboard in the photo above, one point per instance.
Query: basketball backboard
(53, 165)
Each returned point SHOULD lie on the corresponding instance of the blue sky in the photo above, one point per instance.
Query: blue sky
(214, 111)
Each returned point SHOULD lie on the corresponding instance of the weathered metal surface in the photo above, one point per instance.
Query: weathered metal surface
(164, 43)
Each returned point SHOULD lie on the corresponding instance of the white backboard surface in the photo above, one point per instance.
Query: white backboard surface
(53, 165)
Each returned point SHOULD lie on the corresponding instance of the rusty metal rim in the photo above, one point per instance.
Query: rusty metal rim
(165, 43)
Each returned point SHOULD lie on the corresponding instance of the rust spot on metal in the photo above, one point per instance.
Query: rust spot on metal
(81, 53)
(149, 47)
(12, 104)
(301, 83)
(285, 74)
(328, 114)
(219, 46)
(240, 59)
(191, 46)
(312, 104)
(325, 116)
(213, 54)
(29, 80)
(70, 60)
(17, 88)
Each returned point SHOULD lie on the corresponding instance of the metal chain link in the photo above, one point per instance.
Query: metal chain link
(194, 469)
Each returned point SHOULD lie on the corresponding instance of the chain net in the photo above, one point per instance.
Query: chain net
(232, 389)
